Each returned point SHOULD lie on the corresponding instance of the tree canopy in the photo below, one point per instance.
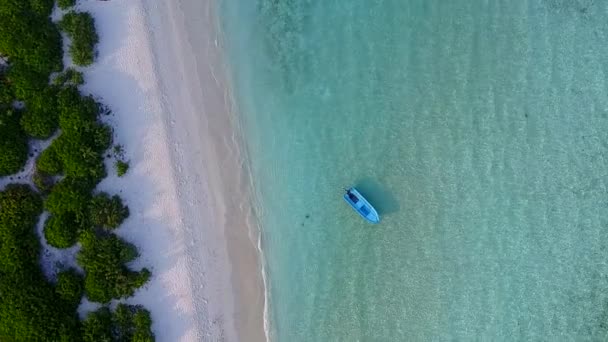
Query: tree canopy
(28, 35)
(126, 323)
(30, 308)
(103, 258)
(107, 212)
(13, 142)
(80, 27)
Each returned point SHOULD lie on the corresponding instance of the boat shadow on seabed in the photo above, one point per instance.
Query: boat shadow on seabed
(382, 199)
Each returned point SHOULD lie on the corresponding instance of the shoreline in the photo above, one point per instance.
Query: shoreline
(164, 78)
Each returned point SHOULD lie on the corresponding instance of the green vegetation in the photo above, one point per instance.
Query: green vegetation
(13, 142)
(127, 323)
(103, 258)
(20, 209)
(80, 27)
(29, 37)
(31, 307)
(61, 231)
(6, 93)
(70, 196)
(70, 287)
(31, 43)
(98, 326)
(65, 4)
(69, 76)
(107, 212)
(132, 323)
(119, 151)
(121, 167)
(44, 183)
(40, 117)
(49, 162)
(78, 151)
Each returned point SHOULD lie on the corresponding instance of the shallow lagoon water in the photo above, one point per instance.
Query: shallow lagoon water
(477, 128)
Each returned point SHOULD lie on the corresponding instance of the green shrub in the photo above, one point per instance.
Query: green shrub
(127, 323)
(42, 7)
(43, 182)
(76, 78)
(143, 327)
(119, 151)
(78, 158)
(40, 119)
(48, 162)
(13, 155)
(38, 125)
(121, 168)
(70, 287)
(30, 308)
(87, 237)
(61, 231)
(83, 141)
(20, 207)
(75, 109)
(102, 137)
(103, 258)
(25, 80)
(80, 27)
(69, 77)
(65, 4)
(97, 326)
(32, 311)
(122, 320)
(70, 196)
(6, 92)
(107, 212)
(132, 323)
(13, 142)
(28, 35)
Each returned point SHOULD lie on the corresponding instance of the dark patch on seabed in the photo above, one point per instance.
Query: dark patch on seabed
(571, 6)
(378, 195)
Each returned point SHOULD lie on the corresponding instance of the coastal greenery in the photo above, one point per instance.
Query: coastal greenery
(60, 231)
(29, 37)
(39, 119)
(78, 151)
(32, 306)
(126, 323)
(70, 287)
(65, 4)
(103, 257)
(30, 50)
(121, 167)
(80, 27)
(13, 142)
(43, 182)
(69, 76)
(133, 323)
(107, 212)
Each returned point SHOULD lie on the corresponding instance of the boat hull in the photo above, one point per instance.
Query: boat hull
(361, 205)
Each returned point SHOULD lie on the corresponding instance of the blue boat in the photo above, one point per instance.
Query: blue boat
(361, 205)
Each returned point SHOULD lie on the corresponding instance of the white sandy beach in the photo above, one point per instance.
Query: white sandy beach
(163, 78)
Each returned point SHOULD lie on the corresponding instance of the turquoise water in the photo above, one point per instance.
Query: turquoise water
(478, 128)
